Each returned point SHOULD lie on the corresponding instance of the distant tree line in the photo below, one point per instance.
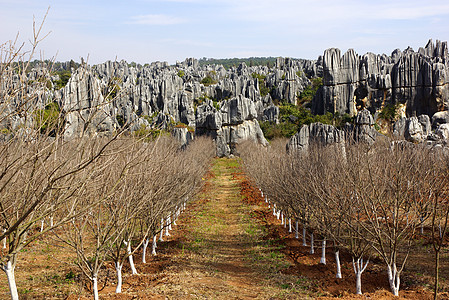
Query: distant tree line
(235, 62)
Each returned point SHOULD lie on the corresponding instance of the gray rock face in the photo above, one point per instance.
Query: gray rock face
(442, 132)
(417, 79)
(316, 133)
(86, 111)
(235, 121)
(413, 129)
(441, 117)
(364, 130)
(183, 135)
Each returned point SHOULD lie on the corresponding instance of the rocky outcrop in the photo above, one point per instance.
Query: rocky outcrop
(235, 121)
(364, 130)
(316, 133)
(182, 135)
(85, 109)
(419, 80)
(413, 129)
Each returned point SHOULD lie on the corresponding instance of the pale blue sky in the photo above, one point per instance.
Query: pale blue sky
(170, 30)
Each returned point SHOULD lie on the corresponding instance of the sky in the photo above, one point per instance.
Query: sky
(144, 31)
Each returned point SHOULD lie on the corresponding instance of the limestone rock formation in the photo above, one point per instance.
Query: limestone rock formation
(319, 133)
(235, 121)
(364, 130)
(419, 80)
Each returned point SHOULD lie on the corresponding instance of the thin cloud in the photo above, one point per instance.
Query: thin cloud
(157, 20)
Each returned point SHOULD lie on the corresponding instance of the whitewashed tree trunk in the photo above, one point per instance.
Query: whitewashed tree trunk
(130, 258)
(282, 218)
(51, 221)
(95, 287)
(278, 214)
(358, 270)
(337, 262)
(169, 223)
(394, 279)
(175, 217)
(118, 269)
(42, 225)
(323, 252)
(296, 230)
(312, 249)
(290, 225)
(9, 270)
(167, 226)
(274, 210)
(144, 249)
(154, 246)
(162, 230)
(4, 239)
(304, 232)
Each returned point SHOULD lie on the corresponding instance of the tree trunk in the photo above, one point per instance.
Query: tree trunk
(118, 268)
(167, 226)
(296, 230)
(169, 223)
(323, 252)
(162, 230)
(358, 270)
(312, 249)
(337, 262)
(144, 250)
(154, 246)
(4, 239)
(437, 267)
(282, 218)
(130, 258)
(95, 287)
(9, 270)
(289, 224)
(393, 279)
(358, 282)
(42, 225)
(304, 242)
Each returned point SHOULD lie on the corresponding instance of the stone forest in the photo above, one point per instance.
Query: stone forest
(274, 178)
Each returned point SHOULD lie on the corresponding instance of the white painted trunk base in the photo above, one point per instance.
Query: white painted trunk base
(144, 249)
(359, 268)
(394, 279)
(312, 249)
(323, 252)
(289, 225)
(130, 258)
(169, 223)
(118, 269)
(162, 230)
(154, 246)
(337, 262)
(296, 230)
(304, 232)
(9, 270)
(95, 287)
(167, 226)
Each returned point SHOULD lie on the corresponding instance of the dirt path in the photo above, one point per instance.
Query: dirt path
(223, 255)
